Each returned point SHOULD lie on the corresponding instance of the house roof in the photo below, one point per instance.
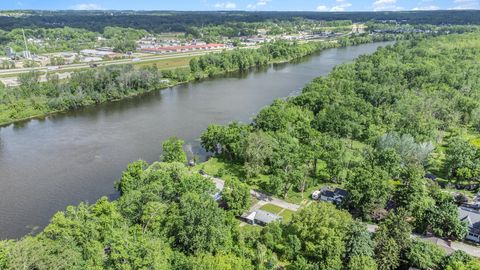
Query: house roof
(327, 192)
(341, 192)
(266, 217)
(471, 216)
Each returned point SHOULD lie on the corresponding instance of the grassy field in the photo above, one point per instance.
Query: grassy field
(271, 208)
(226, 170)
(171, 63)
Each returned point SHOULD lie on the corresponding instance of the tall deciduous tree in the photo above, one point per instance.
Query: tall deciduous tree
(236, 196)
(322, 229)
(173, 150)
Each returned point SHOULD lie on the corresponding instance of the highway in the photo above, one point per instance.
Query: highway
(150, 58)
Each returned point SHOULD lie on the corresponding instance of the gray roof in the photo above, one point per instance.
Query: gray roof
(471, 216)
(327, 192)
(340, 192)
(266, 217)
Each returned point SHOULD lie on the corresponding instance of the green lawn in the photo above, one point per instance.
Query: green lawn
(287, 215)
(220, 168)
(271, 208)
(171, 63)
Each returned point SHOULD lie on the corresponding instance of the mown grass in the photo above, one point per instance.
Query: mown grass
(271, 208)
(164, 64)
(287, 215)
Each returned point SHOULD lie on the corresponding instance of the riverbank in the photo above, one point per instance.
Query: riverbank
(49, 163)
(33, 100)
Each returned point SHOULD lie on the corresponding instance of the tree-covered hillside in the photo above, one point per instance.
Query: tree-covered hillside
(165, 21)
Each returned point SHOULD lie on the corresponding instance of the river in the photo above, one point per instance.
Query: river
(63, 159)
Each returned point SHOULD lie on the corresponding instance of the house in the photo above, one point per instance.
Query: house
(472, 218)
(328, 194)
(184, 48)
(97, 53)
(261, 217)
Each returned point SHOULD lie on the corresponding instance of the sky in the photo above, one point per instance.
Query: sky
(252, 5)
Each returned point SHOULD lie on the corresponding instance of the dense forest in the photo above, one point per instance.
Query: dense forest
(93, 86)
(181, 21)
(48, 40)
(375, 127)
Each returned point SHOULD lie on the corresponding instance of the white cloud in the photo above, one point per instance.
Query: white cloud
(430, 7)
(87, 6)
(466, 4)
(259, 3)
(322, 8)
(341, 6)
(381, 5)
(227, 5)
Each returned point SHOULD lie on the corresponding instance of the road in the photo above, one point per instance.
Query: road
(448, 246)
(17, 71)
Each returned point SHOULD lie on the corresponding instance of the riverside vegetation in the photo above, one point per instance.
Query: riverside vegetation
(374, 126)
(86, 87)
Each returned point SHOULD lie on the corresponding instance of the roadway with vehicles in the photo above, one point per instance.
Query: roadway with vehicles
(150, 58)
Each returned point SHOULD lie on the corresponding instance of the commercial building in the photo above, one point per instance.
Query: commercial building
(185, 48)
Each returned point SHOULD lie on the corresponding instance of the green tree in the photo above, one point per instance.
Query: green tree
(424, 255)
(442, 219)
(236, 195)
(358, 243)
(197, 225)
(361, 263)
(173, 150)
(258, 152)
(462, 160)
(392, 239)
(221, 262)
(368, 189)
(322, 230)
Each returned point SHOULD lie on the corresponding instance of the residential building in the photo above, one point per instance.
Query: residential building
(472, 218)
(185, 48)
(261, 217)
(328, 194)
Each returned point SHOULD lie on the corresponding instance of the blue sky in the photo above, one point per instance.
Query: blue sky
(293, 5)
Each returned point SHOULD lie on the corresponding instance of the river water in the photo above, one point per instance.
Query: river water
(47, 164)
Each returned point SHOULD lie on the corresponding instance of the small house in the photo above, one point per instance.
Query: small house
(260, 217)
(472, 218)
(328, 194)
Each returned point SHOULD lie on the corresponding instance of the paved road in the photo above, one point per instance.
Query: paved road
(448, 246)
(15, 72)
